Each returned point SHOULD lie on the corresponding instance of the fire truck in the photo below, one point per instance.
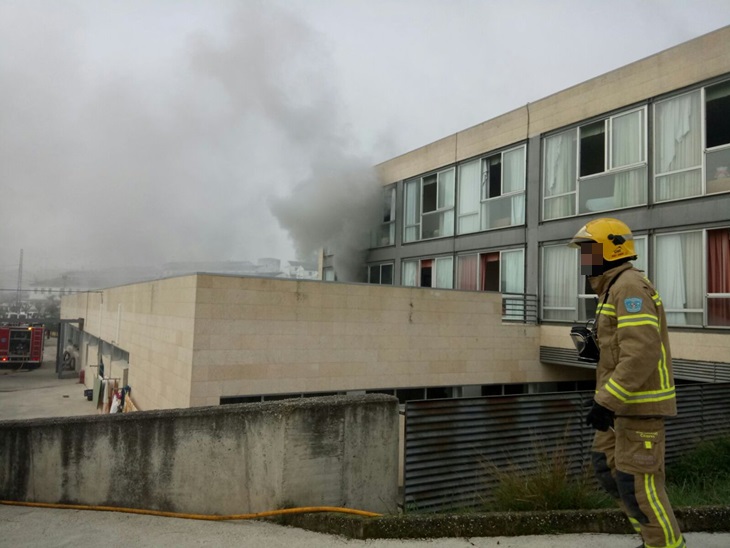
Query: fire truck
(21, 344)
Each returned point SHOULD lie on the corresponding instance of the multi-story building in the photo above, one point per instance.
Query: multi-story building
(493, 206)
(486, 211)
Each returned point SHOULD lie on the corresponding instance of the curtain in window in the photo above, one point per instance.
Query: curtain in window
(513, 170)
(560, 265)
(466, 271)
(410, 273)
(469, 179)
(627, 139)
(678, 147)
(640, 248)
(718, 276)
(629, 188)
(446, 189)
(412, 213)
(512, 280)
(560, 175)
(679, 277)
(444, 273)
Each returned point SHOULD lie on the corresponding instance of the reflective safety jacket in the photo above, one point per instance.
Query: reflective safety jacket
(634, 375)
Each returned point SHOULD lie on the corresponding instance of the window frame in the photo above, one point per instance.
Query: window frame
(478, 207)
(419, 213)
(380, 266)
(704, 150)
(434, 259)
(478, 255)
(386, 227)
(704, 289)
(608, 161)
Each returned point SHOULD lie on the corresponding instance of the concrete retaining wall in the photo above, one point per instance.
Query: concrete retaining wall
(335, 451)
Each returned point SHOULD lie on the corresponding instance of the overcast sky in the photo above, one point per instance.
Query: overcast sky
(140, 132)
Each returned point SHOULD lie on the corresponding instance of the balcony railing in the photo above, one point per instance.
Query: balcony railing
(519, 307)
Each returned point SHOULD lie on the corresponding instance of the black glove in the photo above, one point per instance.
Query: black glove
(599, 417)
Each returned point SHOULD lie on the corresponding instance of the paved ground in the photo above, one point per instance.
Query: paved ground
(38, 393)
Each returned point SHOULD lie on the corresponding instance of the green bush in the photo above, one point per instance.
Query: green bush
(701, 476)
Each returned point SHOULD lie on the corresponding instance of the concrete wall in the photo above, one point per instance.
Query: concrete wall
(704, 57)
(267, 336)
(152, 321)
(193, 339)
(339, 451)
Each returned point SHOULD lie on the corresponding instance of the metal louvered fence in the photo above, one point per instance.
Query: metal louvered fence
(452, 444)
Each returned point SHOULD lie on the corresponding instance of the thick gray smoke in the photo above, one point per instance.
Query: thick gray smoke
(176, 150)
(336, 206)
(335, 200)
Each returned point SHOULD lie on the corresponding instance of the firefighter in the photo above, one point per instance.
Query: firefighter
(634, 382)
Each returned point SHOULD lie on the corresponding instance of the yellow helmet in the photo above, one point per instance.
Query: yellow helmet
(614, 235)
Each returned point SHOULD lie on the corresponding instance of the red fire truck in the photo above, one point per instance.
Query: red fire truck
(22, 344)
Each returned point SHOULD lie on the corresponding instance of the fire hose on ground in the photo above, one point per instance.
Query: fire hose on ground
(208, 517)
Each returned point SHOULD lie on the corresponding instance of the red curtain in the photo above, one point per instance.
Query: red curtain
(718, 276)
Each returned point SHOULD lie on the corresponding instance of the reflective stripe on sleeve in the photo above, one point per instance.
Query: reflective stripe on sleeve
(633, 320)
(639, 397)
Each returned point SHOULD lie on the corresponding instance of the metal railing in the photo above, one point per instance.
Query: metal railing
(519, 307)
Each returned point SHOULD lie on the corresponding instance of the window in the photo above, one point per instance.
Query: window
(328, 274)
(381, 274)
(717, 129)
(429, 206)
(718, 277)
(690, 296)
(436, 272)
(385, 235)
(678, 147)
(680, 141)
(559, 282)
(502, 271)
(678, 266)
(597, 167)
(492, 192)
(566, 295)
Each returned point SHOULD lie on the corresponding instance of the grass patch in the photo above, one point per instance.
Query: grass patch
(698, 478)
(550, 483)
(702, 476)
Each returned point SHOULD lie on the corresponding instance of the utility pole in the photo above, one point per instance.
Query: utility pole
(20, 283)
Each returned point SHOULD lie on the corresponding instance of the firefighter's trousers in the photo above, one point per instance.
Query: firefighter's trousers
(629, 465)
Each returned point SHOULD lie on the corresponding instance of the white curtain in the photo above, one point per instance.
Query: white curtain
(410, 273)
(513, 180)
(446, 189)
(560, 174)
(629, 187)
(512, 277)
(469, 179)
(446, 195)
(560, 282)
(444, 273)
(412, 189)
(679, 276)
(678, 146)
(627, 139)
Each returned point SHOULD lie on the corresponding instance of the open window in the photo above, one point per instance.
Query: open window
(717, 138)
(437, 272)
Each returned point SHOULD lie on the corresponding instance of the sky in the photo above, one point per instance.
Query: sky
(143, 132)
